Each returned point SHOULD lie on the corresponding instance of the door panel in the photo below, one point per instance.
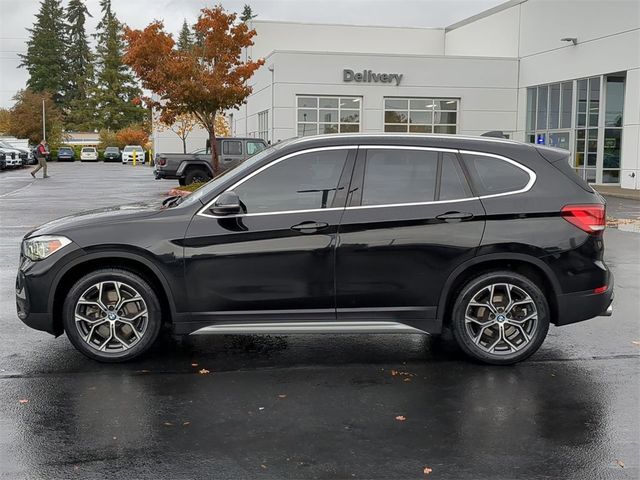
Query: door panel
(269, 261)
(391, 260)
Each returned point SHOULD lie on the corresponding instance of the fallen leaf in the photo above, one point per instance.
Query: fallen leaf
(194, 364)
(427, 470)
(636, 342)
(282, 395)
(115, 438)
(262, 465)
(23, 401)
(144, 371)
(203, 371)
(401, 418)
(620, 463)
(168, 424)
(186, 423)
(407, 380)
(394, 373)
(260, 408)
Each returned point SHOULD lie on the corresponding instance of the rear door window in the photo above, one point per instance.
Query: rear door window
(232, 147)
(491, 175)
(395, 176)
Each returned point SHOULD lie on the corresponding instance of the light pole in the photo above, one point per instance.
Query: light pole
(44, 131)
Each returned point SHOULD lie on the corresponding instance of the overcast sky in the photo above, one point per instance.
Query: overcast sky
(18, 15)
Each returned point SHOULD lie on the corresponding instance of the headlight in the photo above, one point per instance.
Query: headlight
(38, 248)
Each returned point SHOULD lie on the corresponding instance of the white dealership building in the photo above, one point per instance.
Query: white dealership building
(563, 73)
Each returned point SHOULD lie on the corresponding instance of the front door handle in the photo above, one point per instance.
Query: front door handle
(455, 216)
(310, 227)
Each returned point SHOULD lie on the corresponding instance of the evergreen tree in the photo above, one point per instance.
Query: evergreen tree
(185, 39)
(116, 92)
(45, 57)
(81, 110)
(247, 14)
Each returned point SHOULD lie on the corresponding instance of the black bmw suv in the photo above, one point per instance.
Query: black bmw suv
(492, 239)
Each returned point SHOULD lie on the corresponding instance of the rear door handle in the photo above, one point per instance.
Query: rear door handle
(310, 227)
(455, 216)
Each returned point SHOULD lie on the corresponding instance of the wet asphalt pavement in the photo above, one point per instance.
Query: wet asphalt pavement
(309, 406)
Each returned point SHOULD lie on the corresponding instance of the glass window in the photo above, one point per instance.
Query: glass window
(325, 114)
(231, 147)
(567, 103)
(492, 175)
(399, 176)
(531, 109)
(612, 137)
(420, 115)
(581, 104)
(305, 181)
(453, 184)
(543, 92)
(254, 147)
(554, 106)
(263, 125)
(594, 101)
(614, 101)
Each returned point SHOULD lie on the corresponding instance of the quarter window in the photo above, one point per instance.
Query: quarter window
(492, 176)
(305, 181)
(399, 176)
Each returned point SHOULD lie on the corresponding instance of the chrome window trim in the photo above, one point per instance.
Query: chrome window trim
(203, 210)
(526, 188)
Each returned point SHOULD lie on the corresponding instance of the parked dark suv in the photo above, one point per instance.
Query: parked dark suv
(490, 238)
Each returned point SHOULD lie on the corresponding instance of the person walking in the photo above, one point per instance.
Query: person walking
(41, 154)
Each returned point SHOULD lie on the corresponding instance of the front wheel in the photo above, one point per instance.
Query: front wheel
(112, 315)
(500, 318)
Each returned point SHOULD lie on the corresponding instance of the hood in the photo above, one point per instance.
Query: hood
(108, 215)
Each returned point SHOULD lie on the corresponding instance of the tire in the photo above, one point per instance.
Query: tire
(196, 175)
(182, 182)
(506, 329)
(134, 330)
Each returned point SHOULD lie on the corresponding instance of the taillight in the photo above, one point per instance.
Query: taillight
(588, 218)
(162, 161)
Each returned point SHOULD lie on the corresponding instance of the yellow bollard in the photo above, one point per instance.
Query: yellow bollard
(134, 157)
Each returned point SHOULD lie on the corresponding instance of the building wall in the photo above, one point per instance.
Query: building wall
(486, 88)
(495, 35)
(344, 38)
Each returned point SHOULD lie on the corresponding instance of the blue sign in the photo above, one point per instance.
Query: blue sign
(540, 139)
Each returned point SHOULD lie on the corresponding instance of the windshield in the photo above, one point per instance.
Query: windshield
(129, 148)
(208, 187)
(64, 150)
(111, 149)
(89, 149)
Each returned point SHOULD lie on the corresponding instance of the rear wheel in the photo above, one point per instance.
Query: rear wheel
(500, 318)
(196, 175)
(112, 315)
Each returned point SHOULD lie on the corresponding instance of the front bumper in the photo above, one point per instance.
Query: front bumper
(579, 306)
(35, 284)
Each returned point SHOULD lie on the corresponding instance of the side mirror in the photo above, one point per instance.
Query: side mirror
(228, 203)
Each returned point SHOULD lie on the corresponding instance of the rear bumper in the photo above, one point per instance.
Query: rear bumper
(580, 306)
(163, 175)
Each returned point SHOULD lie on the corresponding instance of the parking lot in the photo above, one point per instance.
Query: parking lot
(309, 406)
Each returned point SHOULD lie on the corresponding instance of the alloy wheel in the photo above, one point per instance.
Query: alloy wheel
(501, 319)
(111, 316)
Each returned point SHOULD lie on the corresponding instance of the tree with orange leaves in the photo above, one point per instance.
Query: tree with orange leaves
(202, 81)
